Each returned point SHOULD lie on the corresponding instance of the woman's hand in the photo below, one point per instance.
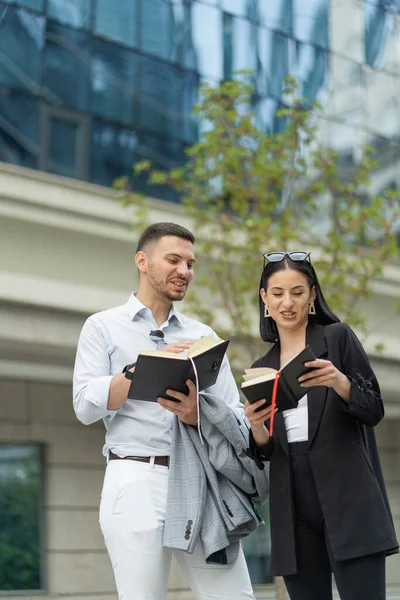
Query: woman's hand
(324, 373)
(257, 420)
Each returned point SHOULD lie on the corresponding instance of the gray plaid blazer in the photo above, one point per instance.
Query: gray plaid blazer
(213, 486)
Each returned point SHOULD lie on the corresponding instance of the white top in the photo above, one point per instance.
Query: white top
(112, 339)
(296, 422)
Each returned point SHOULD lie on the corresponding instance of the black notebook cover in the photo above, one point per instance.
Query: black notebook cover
(289, 390)
(154, 374)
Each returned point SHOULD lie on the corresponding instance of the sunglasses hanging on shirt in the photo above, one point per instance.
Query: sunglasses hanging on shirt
(158, 336)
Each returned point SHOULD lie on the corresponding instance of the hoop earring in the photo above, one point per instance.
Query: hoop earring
(266, 312)
(311, 309)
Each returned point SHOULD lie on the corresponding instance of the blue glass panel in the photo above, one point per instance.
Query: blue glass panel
(62, 148)
(273, 54)
(276, 14)
(311, 70)
(120, 25)
(190, 98)
(164, 153)
(381, 37)
(240, 45)
(311, 21)
(21, 112)
(75, 13)
(160, 96)
(113, 82)
(267, 119)
(156, 28)
(387, 4)
(112, 152)
(32, 4)
(240, 8)
(21, 44)
(207, 49)
(66, 68)
(18, 128)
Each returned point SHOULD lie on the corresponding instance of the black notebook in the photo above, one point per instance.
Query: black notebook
(258, 382)
(157, 371)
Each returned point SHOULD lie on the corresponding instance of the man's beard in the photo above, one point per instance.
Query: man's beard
(160, 287)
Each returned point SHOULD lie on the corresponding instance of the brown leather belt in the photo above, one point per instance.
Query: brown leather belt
(163, 461)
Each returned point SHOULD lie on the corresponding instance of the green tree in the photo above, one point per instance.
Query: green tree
(248, 192)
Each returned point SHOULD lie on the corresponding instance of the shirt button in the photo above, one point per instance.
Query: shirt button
(187, 537)
(190, 522)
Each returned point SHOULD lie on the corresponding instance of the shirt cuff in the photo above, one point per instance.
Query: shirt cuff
(97, 393)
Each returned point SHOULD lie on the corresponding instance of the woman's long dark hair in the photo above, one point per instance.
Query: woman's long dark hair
(324, 315)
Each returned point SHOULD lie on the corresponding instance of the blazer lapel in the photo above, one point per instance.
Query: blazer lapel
(317, 395)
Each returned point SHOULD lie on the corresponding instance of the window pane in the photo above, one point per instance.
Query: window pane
(20, 516)
(240, 45)
(160, 93)
(119, 25)
(19, 117)
(208, 49)
(113, 84)
(156, 28)
(112, 153)
(276, 14)
(66, 69)
(32, 4)
(164, 153)
(190, 97)
(311, 70)
(62, 148)
(75, 13)
(382, 40)
(21, 43)
(274, 62)
(311, 21)
(236, 7)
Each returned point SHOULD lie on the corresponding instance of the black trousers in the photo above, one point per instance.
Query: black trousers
(357, 579)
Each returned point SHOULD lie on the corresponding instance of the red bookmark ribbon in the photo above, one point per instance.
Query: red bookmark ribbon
(273, 403)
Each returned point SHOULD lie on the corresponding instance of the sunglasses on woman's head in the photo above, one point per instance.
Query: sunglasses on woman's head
(274, 257)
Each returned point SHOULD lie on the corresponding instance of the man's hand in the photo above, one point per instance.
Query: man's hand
(177, 347)
(186, 408)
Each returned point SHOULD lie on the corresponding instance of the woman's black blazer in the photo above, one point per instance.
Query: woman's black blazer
(343, 456)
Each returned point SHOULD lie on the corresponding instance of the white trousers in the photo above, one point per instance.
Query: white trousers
(132, 514)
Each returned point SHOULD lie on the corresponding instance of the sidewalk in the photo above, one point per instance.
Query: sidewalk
(393, 593)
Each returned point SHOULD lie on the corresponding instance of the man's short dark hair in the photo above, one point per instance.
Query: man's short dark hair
(156, 231)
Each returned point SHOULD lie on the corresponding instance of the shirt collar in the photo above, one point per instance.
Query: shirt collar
(135, 307)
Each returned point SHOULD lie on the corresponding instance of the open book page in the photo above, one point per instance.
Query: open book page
(203, 344)
(259, 379)
(257, 372)
(164, 354)
(198, 347)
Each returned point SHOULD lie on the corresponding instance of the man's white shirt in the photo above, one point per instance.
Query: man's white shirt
(111, 339)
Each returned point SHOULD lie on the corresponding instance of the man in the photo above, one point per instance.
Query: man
(134, 495)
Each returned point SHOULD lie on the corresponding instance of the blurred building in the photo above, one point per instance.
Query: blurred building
(87, 88)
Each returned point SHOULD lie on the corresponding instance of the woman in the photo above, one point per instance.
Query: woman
(328, 504)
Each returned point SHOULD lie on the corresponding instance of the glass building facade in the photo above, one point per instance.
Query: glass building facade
(88, 87)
